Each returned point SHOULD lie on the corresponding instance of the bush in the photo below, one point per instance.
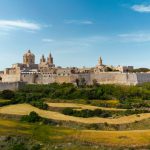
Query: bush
(86, 113)
(39, 104)
(32, 117)
(7, 94)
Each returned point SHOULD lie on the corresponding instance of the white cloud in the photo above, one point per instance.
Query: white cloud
(135, 37)
(47, 40)
(141, 8)
(79, 22)
(18, 24)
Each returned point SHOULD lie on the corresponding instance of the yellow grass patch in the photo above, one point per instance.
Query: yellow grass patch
(24, 109)
(127, 138)
(80, 106)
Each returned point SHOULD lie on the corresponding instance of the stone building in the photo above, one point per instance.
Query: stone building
(46, 72)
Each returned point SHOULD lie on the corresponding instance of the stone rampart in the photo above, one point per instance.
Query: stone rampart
(11, 85)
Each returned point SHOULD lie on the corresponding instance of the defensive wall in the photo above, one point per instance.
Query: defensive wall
(11, 85)
(101, 78)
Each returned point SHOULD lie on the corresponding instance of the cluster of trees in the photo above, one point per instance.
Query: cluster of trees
(103, 92)
(129, 96)
(86, 113)
(34, 99)
(33, 117)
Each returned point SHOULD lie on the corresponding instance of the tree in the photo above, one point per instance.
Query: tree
(77, 82)
(32, 117)
(7, 94)
(82, 82)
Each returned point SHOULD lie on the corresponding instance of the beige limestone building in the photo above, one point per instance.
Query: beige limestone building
(46, 72)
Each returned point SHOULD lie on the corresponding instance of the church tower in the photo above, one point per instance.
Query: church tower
(50, 60)
(42, 60)
(29, 58)
(100, 62)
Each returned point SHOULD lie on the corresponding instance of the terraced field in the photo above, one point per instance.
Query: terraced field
(53, 134)
(81, 106)
(24, 109)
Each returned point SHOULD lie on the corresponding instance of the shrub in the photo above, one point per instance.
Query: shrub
(39, 104)
(32, 117)
(7, 94)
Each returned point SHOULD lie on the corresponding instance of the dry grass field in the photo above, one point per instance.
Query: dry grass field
(24, 109)
(119, 138)
(55, 134)
(81, 106)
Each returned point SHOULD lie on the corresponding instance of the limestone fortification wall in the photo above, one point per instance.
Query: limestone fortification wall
(115, 78)
(102, 78)
(143, 77)
(11, 86)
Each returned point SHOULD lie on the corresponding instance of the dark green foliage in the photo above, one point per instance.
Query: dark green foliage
(7, 94)
(86, 113)
(128, 96)
(32, 117)
(141, 70)
(39, 104)
(69, 91)
(19, 147)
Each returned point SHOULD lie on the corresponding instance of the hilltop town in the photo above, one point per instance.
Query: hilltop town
(46, 72)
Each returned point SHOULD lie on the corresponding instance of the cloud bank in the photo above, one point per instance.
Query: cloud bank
(141, 8)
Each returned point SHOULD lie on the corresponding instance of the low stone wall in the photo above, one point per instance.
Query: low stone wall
(11, 85)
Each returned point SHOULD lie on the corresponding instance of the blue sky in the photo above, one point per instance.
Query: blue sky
(76, 32)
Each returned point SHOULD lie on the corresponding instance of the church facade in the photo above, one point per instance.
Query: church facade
(46, 72)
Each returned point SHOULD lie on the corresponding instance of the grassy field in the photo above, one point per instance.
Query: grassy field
(81, 106)
(124, 138)
(24, 109)
(57, 135)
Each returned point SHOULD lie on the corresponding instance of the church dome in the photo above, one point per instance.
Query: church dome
(29, 53)
(29, 58)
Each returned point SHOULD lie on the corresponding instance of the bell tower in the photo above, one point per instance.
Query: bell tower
(42, 60)
(50, 60)
(100, 61)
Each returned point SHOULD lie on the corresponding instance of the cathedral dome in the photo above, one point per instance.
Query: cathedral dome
(29, 58)
(29, 53)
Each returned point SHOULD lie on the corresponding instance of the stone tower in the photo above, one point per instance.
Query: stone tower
(42, 60)
(50, 60)
(100, 61)
(28, 58)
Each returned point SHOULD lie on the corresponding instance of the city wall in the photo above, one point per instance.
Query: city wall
(101, 78)
(11, 86)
